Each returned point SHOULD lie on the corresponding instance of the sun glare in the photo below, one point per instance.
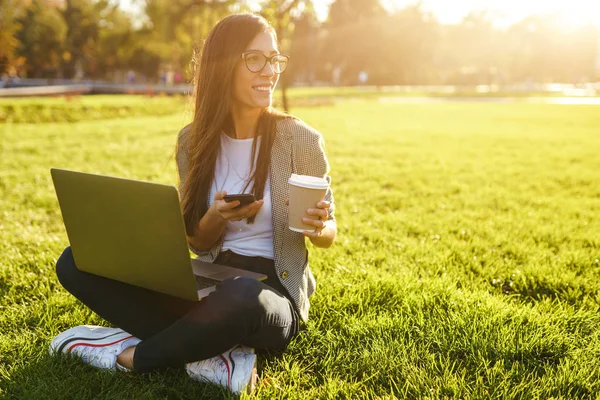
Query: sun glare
(572, 13)
(577, 16)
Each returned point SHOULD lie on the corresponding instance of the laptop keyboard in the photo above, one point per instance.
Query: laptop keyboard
(203, 282)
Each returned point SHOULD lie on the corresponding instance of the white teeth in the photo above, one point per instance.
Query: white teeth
(263, 88)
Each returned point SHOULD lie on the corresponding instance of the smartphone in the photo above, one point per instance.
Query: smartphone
(244, 198)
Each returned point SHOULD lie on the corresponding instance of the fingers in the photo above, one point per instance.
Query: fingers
(317, 223)
(324, 204)
(243, 212)
(225, 206)
(315, 233)
(321, 213)
(251, 209)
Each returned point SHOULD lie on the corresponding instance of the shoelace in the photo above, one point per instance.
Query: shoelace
(216, 365)
(99, 356)
(214, 370)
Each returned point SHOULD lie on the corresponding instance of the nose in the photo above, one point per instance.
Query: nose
(267, 70)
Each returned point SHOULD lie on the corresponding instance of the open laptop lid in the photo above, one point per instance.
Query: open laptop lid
(127, 230)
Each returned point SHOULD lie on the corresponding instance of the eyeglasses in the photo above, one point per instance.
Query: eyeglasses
(255, 62)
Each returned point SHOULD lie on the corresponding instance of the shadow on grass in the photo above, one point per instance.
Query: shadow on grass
(60, 377)
(535, 289)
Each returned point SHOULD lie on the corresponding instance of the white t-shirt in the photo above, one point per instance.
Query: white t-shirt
(232, 171)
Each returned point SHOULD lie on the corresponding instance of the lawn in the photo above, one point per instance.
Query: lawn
(467, 263)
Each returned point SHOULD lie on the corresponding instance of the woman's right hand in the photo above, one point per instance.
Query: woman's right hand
(229, 212)
(212, 225)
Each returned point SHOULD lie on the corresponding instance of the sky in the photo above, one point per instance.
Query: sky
(505, 12)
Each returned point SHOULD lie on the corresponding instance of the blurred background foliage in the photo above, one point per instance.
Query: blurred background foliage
(96, 39)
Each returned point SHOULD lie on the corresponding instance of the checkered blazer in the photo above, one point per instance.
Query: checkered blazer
(297, 149)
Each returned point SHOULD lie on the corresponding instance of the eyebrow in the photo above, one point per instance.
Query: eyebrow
(258, 51)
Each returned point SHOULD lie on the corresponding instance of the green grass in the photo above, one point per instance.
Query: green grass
(467, 263)
(310, 93)
(87, 108)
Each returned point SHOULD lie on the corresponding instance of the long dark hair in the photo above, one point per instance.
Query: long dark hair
(213, 90)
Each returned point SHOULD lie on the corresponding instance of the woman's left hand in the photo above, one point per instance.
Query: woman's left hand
(320, 211)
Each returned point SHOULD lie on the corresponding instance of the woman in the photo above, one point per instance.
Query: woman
(236, 143)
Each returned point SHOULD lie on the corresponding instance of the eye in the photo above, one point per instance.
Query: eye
(254, 59)
(279, 63)
(281, 60)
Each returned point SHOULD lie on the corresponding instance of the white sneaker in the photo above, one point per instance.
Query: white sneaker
(96, 345)
(235, 369)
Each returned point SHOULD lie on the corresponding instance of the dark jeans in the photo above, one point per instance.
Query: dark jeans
(176, 331)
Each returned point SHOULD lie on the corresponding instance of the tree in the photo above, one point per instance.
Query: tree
(544, 51)
(303, 48)
(82, 18)
(353, 38)
(116, 42)
(41, 39)
(410, 41)
(345, 12)
(174, 28)
(10, 11)
(280, 14)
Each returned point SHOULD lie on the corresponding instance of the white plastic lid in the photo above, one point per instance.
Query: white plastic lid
(309, 182)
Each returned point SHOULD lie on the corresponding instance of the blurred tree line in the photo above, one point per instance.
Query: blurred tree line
(94, 39)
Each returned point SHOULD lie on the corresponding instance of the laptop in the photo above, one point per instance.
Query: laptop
(133, 232)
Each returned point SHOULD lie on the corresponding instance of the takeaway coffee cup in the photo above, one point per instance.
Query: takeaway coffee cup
(305, 192)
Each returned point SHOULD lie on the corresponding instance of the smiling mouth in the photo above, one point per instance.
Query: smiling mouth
(263, 89)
